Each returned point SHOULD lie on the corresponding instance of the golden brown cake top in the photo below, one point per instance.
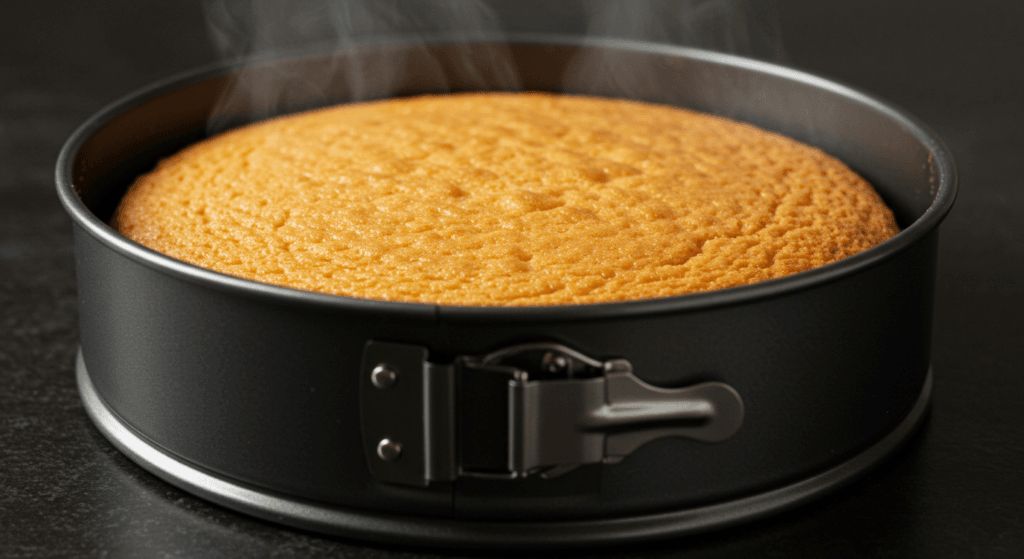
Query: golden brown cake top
(504, 199)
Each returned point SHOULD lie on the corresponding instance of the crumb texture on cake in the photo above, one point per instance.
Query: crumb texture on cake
(504, 199)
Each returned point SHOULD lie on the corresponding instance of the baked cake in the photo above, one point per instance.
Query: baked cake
(504, 199)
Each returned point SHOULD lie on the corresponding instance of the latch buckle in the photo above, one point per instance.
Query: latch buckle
(532, 409)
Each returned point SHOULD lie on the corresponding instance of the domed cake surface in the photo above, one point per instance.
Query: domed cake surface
(504, 199)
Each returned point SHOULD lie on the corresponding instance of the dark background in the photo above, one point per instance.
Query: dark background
(956, 490)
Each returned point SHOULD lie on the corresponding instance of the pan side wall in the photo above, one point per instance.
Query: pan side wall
(266, 394)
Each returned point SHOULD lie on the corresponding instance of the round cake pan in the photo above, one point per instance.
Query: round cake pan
(539, 426)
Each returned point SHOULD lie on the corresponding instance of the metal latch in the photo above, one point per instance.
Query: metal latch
(533, 409)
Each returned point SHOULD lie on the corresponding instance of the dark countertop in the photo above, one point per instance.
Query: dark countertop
(956, 490)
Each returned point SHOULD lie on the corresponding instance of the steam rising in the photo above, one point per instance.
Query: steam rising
(247, 28)
(275, 28)
(734, 26)
(731, 26)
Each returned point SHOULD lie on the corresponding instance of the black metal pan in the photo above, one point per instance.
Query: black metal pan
(543, 426)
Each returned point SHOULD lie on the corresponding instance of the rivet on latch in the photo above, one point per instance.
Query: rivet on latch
(554, 363)
(389, 450)
(383, 376)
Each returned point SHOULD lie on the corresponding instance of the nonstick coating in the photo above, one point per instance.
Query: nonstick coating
(258, 384)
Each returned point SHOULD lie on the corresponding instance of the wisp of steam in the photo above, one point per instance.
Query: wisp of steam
(274, 28)
(743, 27)
(254, 29)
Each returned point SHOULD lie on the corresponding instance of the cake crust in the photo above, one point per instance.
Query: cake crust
(504, 199)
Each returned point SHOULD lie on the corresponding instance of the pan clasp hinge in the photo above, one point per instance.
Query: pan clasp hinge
(532, 409)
